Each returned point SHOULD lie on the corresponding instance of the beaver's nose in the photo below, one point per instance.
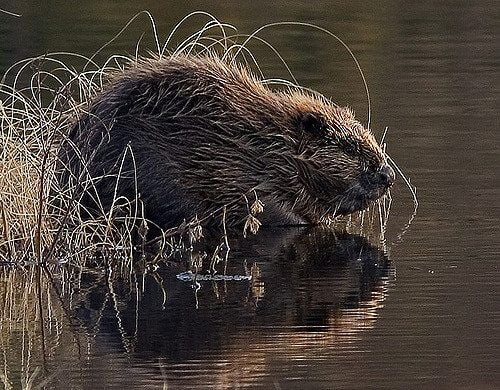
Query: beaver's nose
(385, 176)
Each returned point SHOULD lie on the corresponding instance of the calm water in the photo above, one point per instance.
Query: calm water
(323, 310)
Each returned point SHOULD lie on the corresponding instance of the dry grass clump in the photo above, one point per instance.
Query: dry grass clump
(33, 120)
(24, 166)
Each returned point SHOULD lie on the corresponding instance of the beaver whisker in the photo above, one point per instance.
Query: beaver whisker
(381, 220)
(411, 188)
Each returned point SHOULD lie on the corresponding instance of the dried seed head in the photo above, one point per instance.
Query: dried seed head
(252, 224)
(257, 207)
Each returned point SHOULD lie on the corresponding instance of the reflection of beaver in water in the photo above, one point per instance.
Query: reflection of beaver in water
(204, 132)
(316, 290)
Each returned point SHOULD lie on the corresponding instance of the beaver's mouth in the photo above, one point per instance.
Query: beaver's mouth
(357, 201)
(370, 187)
(340, 198)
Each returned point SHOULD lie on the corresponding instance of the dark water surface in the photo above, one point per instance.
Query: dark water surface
(322, 310)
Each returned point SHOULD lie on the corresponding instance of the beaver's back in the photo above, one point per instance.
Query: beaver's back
(192, 135)
(165, 128)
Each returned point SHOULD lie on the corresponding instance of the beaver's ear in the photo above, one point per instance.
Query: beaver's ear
(312, 123)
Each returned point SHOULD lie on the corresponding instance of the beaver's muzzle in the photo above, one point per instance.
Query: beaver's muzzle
(378, 181)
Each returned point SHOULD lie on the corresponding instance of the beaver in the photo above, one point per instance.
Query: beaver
(191, 134)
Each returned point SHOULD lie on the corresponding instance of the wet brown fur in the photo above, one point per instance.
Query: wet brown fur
(206, 133)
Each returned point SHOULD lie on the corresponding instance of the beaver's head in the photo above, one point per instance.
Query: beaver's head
(340, 167)
(308, 156)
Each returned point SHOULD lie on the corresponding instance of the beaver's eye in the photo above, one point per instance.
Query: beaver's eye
(349, 149)
(313, 124)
